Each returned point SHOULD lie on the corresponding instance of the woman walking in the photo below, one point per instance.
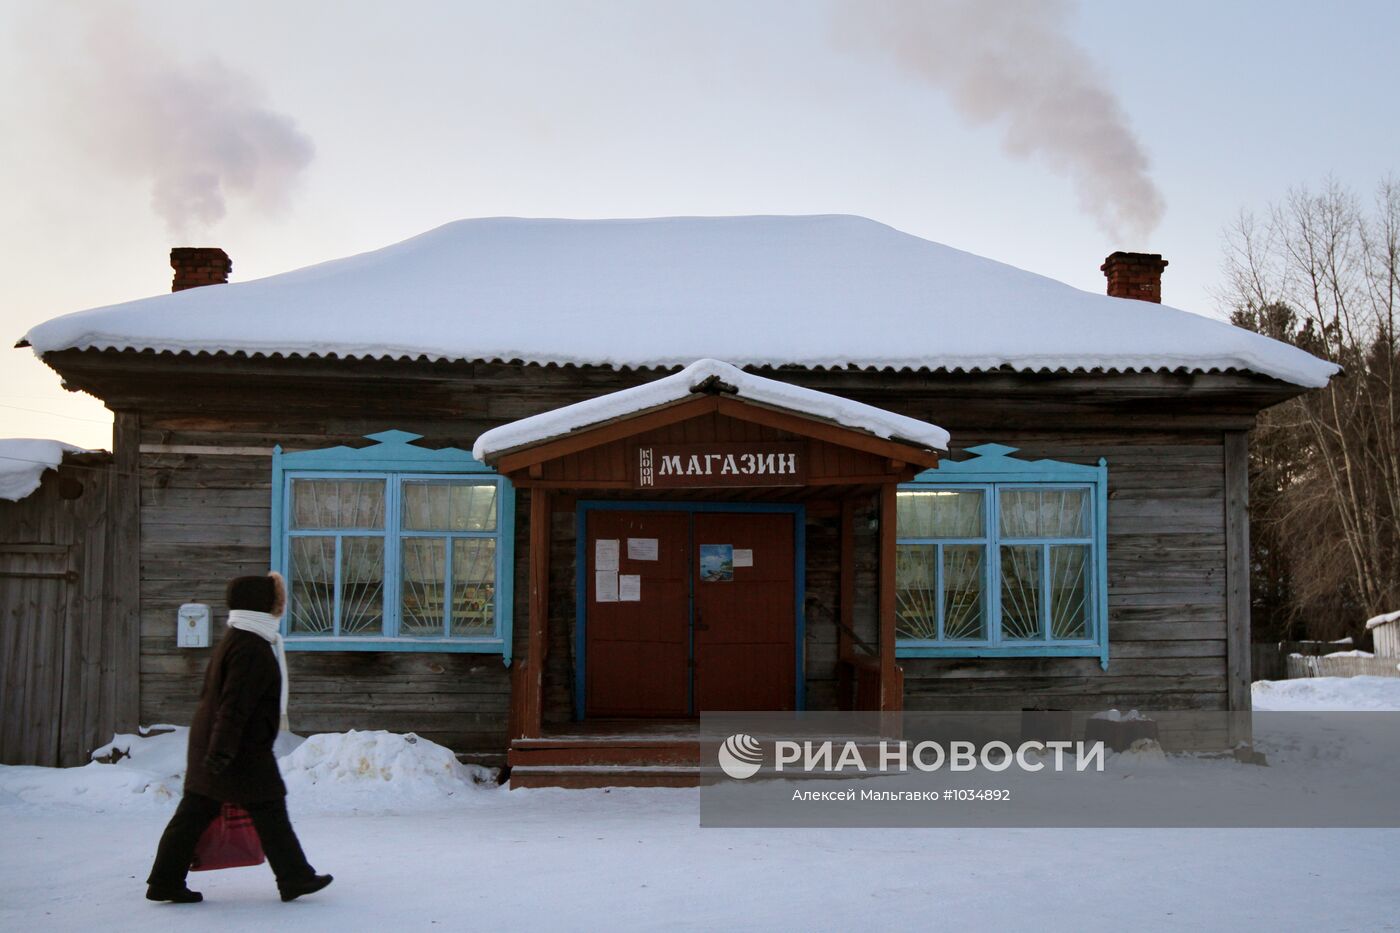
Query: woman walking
(243, 706)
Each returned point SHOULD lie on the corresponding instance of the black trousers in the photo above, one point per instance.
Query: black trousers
(193, 816)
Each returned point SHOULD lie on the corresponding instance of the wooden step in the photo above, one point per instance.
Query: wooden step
(536, 752)
(623, 757)
(584, 776)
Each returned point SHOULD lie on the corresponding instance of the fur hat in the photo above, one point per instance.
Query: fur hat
(254, 594)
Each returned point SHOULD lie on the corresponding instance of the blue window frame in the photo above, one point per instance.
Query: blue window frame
(393, 547)
(1003, 557)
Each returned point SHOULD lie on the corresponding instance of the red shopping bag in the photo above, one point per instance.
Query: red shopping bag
(229, 842)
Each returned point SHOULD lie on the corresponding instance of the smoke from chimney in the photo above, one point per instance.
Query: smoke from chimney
(200, 134)
(1012, 64)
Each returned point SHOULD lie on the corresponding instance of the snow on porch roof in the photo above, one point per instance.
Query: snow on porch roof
(682, 385)
(814, 291)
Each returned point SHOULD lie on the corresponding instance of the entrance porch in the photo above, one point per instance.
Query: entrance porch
(693, 500)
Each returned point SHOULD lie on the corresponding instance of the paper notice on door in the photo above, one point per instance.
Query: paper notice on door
(605, 586)
(642, 549)
(629, 588)
(743, 557)
(605, 554)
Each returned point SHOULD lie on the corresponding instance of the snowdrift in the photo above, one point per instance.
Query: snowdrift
(330, 772)
(377, 771)
(1326, 694)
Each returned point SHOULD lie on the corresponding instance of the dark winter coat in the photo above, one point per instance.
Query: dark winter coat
(230, 753)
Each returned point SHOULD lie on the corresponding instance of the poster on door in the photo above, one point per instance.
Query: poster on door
(716, 563)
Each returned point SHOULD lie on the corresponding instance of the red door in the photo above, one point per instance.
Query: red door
(745, 620)
(637, 653)
(666, 636)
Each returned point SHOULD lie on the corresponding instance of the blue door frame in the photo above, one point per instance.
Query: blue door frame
(799, 530)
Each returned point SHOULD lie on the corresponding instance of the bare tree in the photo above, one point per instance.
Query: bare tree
(1322, 271)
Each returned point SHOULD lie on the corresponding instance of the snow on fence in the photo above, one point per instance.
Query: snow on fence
(1385, 634)
(1269, 659)
(1342, 665)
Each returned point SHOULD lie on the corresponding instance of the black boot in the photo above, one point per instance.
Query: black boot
(295, 889)
(180, 895)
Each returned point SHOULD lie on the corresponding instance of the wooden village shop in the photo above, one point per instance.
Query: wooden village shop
(548, 490)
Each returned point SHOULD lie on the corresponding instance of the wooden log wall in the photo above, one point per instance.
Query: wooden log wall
(1167, 597)
(206, 517)
(207, 436)
(67, 662)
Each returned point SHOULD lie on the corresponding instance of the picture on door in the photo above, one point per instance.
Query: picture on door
(716, 563)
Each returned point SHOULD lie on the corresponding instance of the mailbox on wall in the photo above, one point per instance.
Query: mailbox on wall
(193, 629)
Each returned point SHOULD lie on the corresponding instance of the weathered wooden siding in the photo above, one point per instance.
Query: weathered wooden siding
(1167, 586)
(204, 510)
(67, 662)
(206, 517)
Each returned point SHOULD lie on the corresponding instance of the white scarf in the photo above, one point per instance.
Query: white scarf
(268, 627)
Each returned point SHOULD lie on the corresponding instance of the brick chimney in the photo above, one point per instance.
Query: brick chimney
(1135, 275)
(199, 265)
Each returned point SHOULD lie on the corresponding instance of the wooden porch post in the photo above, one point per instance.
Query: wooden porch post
(891, 679)
(539, 611)
(845, 645)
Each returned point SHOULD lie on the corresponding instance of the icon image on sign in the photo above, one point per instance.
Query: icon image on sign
(716, 563)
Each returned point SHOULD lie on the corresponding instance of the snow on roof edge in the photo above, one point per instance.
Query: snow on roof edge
(25, 460)
(678, 386)
(981, 364)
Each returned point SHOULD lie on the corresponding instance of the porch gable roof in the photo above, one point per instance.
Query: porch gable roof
(708, 385)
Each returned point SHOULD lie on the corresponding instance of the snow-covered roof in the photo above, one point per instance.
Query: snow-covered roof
(818, 291)
(23, 461)
(682, 385)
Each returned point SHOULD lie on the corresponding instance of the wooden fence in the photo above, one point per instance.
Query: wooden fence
(67, 650)
(1269, 660)
(1313, 666)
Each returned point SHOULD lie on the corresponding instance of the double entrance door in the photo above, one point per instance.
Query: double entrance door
(688, 612)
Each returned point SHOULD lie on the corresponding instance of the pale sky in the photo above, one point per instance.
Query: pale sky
(421, 113)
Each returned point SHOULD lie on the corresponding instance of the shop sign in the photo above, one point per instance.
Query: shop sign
(690, 466)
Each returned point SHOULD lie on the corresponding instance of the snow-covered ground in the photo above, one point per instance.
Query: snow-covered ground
(416, 841)
(1378, 694)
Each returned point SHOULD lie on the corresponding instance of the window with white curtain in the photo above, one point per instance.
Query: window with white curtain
(393, 546)
(999, 568)
(392, 556)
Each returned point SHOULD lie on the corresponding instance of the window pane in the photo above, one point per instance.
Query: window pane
(1044, 513)
(361, 586)
(1069, 591)
(1020, 591)
(473, 586)
(430, 506)
(474, 507)
(916, 594)
(337, 503)
(312, 569)
(425, 506)
(424, 582)
(940, 513)
(962, 591)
